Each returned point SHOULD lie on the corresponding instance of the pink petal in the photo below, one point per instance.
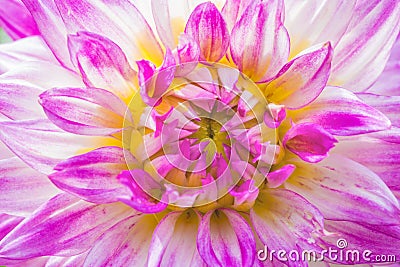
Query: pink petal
(278, 177)
(63, 226)
(12, 54)
(301, 80)
(246, 192)
(388, 82)
(125, 244)
(7, 223)
(175, 231)
(345, 190)
(233, 10)
(86, 111)
(340, 112)
(93, 176)
(51, 27)
(41, 144)
(309, 141)
(130, 31)
(259, 41)
(225, 238)
(361, 54)
(141, 184)
(388, 105)
(101, 63)
(274, 116)
(312, 22)
(188, 53)
(207, 26)
(23, 189)
(379, 239)
(286, 221)
(16, 20)
(154, 83)
(18, 100)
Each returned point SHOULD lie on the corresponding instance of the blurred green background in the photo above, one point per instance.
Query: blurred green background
(4, 37)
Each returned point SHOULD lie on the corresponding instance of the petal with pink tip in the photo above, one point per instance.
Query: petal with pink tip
(362, 53)
(208, 28)
(309, 141)
(312, 22)
(86, 111)
(16, 20)
(101, 63)
(12, 54)
(23, 189)
(345, 190)
(301, 80)
(278, 177)
(225, 238)
(125, 244)
(259, 41)
(93, 176)
(177, 230)
(286, 221)
(130, 31)
(63, 226)
(41, 144)
(341, 112)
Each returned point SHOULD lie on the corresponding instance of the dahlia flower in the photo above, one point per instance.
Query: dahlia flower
(198, 133)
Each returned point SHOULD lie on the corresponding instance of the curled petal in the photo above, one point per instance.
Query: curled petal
(125, 244)
(93, 176)
(274, 116)
(309, 141)
(87, 111)
(208, 28)
(140, 198)
(362, 53)
(341, 112)
(101, 63)
(278, 177)
(301, 80)
(225, 238)
(175, 231)
(259, 41)
(154, 83)
(188, 53)
(246, 192)
(345, 190)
